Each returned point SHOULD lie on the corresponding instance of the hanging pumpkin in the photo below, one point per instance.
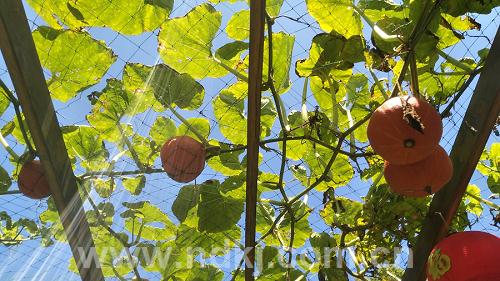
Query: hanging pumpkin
(422, 178)
(183, 158)
(465, 256)
(32, 181)
(404, 130)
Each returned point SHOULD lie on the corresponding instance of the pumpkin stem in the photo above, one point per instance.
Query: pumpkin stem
(411, 116)
(409, 143)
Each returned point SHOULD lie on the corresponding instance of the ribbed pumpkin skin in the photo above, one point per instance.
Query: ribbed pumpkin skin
(32, 182)
(412, 180)
(473, 256)
(388, 131)
(183, 158)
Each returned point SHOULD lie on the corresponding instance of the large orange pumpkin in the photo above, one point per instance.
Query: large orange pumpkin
(465, 256)
(183, 158)
(422, 178)
(32, 181)
(398, 136)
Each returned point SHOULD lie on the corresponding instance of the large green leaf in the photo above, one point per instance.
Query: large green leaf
(5, 181)
(461, 7)
(150, 216)
(217, 212)
(168, 86)
(227, 163)
(238, 26)
(123, 16)
(329, 52)
(83, 142)
(162, 130)
(75, 60)
(282, 58)
(185, 43)
(337, 16)
(113, 103)
(228, 108)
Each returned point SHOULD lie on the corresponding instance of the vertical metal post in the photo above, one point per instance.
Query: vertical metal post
(474, 132)
(257, 18)
(19, 52)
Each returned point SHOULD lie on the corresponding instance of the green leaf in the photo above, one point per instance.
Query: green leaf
(337, 16)
(4, 101)
(106, 212)
(125, 17)
(330, 52)
(168, 86)
(162, 130)
(473, 205)
(5, 180)
(282, 58)
(217, 212)
(150, 216)
(228, 108)
(112, 104)
(238, 26)
(144, 149)
(231, 54)
(273, 7)
(301, 226)
(84, 143)
(340, 173)
(213, 244)
(227, 163)
(104, 187)
(461, 7)
(134, 185)
(200, 124)
(188, 198)
(342, 211)
(197, 30)
(75, 60)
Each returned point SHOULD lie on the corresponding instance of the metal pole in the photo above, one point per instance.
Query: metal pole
(257, 18)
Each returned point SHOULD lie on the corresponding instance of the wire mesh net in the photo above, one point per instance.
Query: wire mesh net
(126, 76)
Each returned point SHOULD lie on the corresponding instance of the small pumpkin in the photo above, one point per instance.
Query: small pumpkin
(422, 178)
(183, 158)
(32, 181)
(404, 130)
(465, 256)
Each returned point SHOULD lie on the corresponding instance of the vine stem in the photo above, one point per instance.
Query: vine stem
(284, 129)
(233, 71)
(335, 110)
(379, 31)
(130, 147)
(9, 149)
(190, 127)
(482, 200)
(454, 61)
(377, 83)
(10, 96)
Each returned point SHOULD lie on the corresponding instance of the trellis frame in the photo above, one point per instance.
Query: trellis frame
(23, 63)
(476, 127)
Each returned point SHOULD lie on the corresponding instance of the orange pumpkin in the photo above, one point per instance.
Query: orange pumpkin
(32, 181)
(465, 256)
(183, 158)
(422, 178)
(399, 137)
